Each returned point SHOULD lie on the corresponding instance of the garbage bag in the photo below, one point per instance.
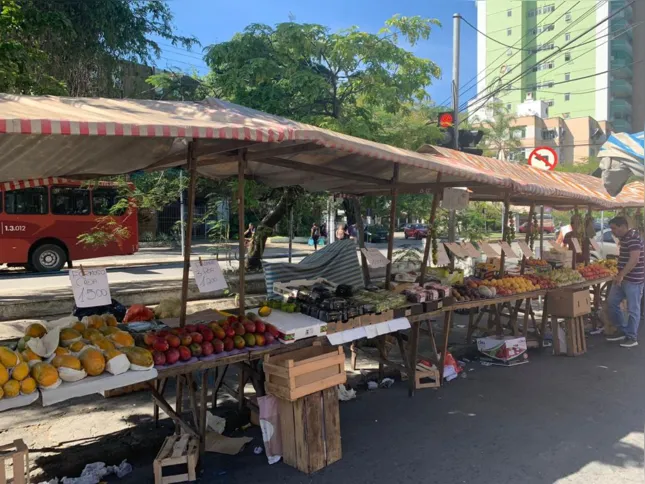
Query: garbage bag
(116, 308)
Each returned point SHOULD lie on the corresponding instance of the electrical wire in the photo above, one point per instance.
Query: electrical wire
(492, 39)
(524, 73)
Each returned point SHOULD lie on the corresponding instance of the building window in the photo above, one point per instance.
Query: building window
(567, 17)
(509, 13)
(519, 133)
(566, 115)
(567, 37)
(567, 96)
(542, 67)
(549, 134)
(549, 102)
(509, 32)
(567, 76)
(531, 13)
(509, 52)
(567, 57)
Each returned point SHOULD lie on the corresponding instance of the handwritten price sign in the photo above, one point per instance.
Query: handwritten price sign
(90, 287)
(208, 276)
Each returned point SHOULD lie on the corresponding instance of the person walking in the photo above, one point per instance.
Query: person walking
(628, 284)
(315, 235)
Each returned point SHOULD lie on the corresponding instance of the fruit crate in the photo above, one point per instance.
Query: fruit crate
(310, 431)
(177, 450)
(575, 339)
(293, 375)
(18, 454)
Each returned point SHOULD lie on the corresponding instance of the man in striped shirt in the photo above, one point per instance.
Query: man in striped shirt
(628, 283)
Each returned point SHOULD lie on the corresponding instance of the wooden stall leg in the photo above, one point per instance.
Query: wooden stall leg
(241, 379)
(412, 362)
(545, 319)
(527, 313)
(179, 400)
(471, 325)
(161, 387)
(513, 315)
(219, 379)
(175, 416)
(192, 396)
(556, 336)
(352, 358)
(380, 343)
(447, 322)
(497, 309)
(202, 410)
(433, 341)
(490, 321)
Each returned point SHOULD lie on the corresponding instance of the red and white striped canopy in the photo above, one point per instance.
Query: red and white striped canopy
(43, 137)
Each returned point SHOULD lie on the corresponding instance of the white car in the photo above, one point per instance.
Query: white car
(608, 245)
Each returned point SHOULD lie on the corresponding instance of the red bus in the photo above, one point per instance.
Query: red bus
(40, 221)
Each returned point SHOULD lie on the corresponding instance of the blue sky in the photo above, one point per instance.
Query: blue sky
(213, 21)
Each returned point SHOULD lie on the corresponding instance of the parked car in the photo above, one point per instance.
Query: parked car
(608, 245)
(416, 231)
(402, 227)
(546, 228)
(376, 233)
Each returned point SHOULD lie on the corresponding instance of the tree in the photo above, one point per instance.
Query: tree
(499, 139)
(350, 81)
(79, 48)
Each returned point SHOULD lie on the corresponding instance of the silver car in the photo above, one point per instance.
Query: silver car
(608, 245)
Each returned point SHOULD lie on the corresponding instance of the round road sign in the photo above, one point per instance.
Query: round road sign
(543, 158)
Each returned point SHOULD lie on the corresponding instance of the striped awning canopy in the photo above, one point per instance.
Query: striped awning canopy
(42, 137)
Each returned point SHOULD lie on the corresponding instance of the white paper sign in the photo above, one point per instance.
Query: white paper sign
(576, 245)
(208, 275)
(526, 250)
(455, 198)
(442, 256)
(508, 250)
(487, 249)
(374, 258)
(90, 287)
(594, 244)
(470, 249)
(455, 249)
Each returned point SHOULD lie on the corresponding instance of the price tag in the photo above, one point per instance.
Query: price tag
(508, 250)
(526, 250)
(208, 275)
(470, 249)
(374, 258)
(442, 256)
(488, 250)
(594, 244)
(576, 245)
(455, 249)
(90, 287)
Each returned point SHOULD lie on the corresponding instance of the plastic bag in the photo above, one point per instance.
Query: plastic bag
(138, 312)
(311, 241)
(116, 308)
(270, 425)
(450, 368)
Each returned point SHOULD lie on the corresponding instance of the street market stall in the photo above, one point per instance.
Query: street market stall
(86, 138)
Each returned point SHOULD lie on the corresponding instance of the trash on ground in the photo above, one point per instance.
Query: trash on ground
(451, 369)
(258, 450)
(386, 383)
(346, 394)
(225, 445)
(372, 385)
(215, 423)
(270, 425)
(94, 473)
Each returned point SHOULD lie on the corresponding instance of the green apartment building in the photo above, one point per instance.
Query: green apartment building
(577, 68)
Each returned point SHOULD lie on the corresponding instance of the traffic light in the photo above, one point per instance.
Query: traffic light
(468, 140)
(447, 125)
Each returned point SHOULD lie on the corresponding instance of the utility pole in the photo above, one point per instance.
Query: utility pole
(455, 105)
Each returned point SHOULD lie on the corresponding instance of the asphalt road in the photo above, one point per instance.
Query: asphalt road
(554, 420)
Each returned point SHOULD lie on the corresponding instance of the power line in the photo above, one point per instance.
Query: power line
(524, 73)
(492, 39)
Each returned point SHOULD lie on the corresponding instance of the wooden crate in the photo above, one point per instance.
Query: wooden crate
(427, 378)
(310, 431)
(177, 450)
(18, 454)
(574, 329)
(293, 375)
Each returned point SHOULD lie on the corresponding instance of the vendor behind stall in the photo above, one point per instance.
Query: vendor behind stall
(580, 258)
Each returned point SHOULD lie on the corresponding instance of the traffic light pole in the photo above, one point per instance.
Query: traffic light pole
(455, 105)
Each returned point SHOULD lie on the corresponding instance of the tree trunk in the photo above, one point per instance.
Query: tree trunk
(266, 227)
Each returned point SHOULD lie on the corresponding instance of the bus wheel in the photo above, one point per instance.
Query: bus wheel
(48, 258)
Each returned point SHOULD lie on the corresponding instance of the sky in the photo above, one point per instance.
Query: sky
(213, 21)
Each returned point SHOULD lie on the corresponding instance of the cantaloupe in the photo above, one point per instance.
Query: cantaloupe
(108, 330)
(93, 361)
(44, 374)
(20, 371)
(36, 330)
(95, 321)
(138, 356)
(91, 334)
(104, 344)
(69, 336)
(8, 357)
(67, 361)
(4, 375)
(28, 386)
(11, 388)
(122, 338)
(76, 347)
(109, 319)
(79, 326)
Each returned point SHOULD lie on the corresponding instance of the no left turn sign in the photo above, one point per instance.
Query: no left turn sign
(543, 158)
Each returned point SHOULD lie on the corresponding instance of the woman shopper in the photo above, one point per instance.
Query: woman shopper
(315, 235)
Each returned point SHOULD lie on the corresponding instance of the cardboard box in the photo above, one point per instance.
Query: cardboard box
(503, 350)
(569, 304)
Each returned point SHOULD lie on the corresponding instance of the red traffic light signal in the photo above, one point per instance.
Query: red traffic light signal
(446, 120)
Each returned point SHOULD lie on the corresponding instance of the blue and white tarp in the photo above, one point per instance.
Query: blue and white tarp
(621, 157)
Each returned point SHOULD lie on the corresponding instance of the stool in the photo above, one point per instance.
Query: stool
(574, 329)
(426, 378)
(19, 454)
(177, 450)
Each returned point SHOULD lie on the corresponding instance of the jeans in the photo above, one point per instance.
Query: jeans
(633, 293)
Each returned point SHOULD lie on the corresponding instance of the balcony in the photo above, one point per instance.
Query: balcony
(620, 25)
(621, 126)
(622, 44)
(621, 68)
(620, 88)
(626, 13)
(620, 107)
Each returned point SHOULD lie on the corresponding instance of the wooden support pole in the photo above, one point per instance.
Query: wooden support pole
(527, 239)
(541, 231)
(360, 229)
(240, 223)
(502, 260)
(586, 245)
(390, 242)
(188, 239)
(436, 196)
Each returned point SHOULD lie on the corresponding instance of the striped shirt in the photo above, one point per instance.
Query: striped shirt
(631, 241)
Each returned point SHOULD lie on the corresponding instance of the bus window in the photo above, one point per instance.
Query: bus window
(103, 199)
(31, 201)
(70, 201)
